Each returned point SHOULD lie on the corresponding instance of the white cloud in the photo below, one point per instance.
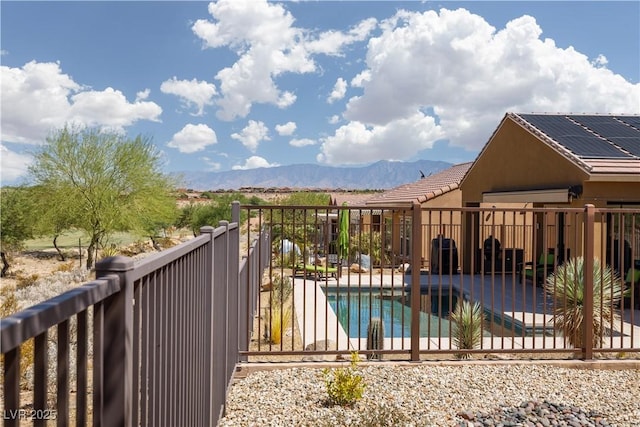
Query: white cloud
(110, 108)
(38, 98)
(356, 142)
(302, 142)
(191, 92)
(286, 129)
(332, 42)
(142, 95)
(360, 79)
(334, 119)
(600, 61)
(193, 138)
(252, 135)
(254, 162)
(339, 90)
(466, 74)
(268, 45)
(14, 165)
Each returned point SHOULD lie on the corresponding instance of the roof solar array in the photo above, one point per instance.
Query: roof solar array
(575, 137)
(613, 130)
(631, 120)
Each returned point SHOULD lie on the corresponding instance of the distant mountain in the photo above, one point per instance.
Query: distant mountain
(377, 176)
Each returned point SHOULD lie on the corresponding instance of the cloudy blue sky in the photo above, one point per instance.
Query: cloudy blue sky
(238, 84)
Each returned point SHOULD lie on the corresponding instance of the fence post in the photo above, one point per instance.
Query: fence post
(117, 350)
(589, 241)
(416, 263)
(235, 212)
(208, 297)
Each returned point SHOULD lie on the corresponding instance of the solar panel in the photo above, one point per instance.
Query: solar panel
(609, 128)
(574, 137)
(632, 120)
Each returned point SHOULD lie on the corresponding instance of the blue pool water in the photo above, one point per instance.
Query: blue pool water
(355, 309)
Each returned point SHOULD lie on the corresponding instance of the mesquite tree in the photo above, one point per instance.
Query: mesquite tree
(108, 181)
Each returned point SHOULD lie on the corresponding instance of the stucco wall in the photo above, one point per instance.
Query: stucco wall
(600, 193)
(516, 160)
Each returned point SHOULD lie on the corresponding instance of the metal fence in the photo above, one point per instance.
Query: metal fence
(156, 342)
(150, 343)
(523, 267)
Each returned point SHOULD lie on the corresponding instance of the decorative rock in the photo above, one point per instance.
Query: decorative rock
(442, 396)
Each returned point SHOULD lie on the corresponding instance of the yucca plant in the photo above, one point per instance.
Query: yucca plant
(567, 287)
(468, 323)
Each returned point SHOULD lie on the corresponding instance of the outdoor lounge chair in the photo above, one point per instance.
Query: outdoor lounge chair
(320, 271)
(545, 265)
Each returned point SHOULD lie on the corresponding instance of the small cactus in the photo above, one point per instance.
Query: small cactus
(375, 338)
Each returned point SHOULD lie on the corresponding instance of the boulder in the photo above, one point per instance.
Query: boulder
(320, 346)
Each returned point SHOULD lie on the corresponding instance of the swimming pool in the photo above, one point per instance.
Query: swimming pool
(354, 309)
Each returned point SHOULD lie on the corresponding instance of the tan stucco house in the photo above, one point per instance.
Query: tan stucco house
(554, 160)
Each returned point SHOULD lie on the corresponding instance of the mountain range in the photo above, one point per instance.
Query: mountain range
(381, 175)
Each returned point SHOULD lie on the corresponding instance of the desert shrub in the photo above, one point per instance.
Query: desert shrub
(369, 244)
(345, 386)
(281, 289)
(9, 305)
(278, 320)
(65, 268)
(136, 248)
(468, 323)
(24, 281)
(109, 251)
(165, 242)
(8, 301)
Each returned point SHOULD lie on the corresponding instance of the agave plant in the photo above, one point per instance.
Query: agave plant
(468, 323)
(567, 287)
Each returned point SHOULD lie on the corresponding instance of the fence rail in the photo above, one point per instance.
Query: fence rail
(159, 338)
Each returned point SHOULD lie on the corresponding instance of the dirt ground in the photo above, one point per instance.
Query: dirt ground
(41, 263)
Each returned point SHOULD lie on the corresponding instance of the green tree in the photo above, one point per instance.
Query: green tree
(54, 218)
(197, 215)
(111, 182)
(299, 223)
(16, 221)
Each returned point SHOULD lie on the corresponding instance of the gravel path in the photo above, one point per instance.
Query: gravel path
(427, 395)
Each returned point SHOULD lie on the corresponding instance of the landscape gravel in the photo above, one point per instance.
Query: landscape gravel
(427, 395)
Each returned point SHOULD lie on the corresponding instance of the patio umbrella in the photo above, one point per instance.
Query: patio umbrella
(343, 234)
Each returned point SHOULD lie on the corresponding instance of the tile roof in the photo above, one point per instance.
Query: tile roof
(610, 149)
(351, 199)
(424, 189)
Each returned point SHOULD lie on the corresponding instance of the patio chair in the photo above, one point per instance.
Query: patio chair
(537, 271)
(319, 271)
